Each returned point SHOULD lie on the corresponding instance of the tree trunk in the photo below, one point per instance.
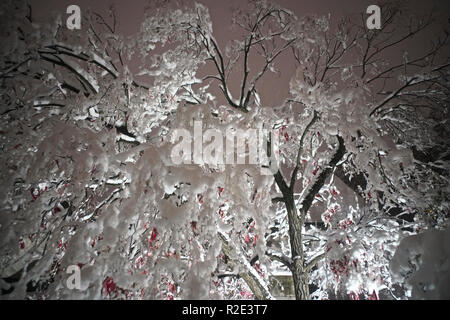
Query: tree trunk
(299, 274)
(301, 282)
(299, 267)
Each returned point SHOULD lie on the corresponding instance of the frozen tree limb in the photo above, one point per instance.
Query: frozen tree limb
(249, 275)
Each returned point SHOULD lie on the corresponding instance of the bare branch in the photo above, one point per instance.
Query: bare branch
(300, 150)
(314, 261)
(280, 258)
(320, 180)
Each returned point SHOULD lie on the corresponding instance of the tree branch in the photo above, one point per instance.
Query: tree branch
(314, 261)
(280, 258)
(250, 277)
(320, 181)
(300, 150)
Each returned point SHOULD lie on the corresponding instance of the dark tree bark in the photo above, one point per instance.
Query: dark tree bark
(298, 265)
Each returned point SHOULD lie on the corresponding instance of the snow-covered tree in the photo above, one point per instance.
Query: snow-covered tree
(89, 176)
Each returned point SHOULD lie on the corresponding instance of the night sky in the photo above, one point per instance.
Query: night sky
(273, 88)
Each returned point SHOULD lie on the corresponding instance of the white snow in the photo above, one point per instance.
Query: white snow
(422, 264)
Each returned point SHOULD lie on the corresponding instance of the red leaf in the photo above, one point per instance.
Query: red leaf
(35, 193)
(354, 296)
(255, 238)
(152, 238)
(109, 286)
(62, 245)
(373, 296)
(154, 234)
